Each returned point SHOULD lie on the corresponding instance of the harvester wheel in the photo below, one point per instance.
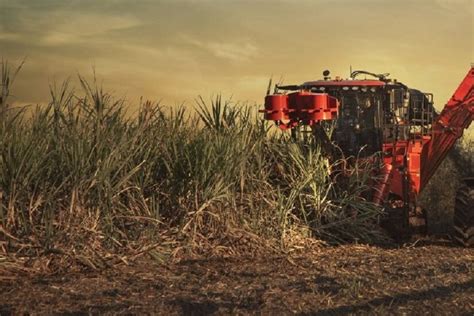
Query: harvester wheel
(464, 216)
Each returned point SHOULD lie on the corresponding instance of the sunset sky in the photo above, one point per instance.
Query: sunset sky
(175, 50)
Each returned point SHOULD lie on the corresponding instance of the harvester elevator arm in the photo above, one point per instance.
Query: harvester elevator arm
(456, 116)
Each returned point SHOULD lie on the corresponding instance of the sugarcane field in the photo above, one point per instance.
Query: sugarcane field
(236, 157)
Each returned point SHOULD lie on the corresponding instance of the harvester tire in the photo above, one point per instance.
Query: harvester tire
(464, 216)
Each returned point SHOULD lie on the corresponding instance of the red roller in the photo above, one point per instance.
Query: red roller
(302, 106)
(276, 107)
(316, 106)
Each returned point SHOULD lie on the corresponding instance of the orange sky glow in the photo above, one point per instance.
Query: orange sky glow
(175, 50)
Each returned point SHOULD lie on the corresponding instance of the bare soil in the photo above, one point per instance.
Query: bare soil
(426, 278)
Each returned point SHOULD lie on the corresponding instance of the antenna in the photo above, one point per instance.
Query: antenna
(350, 71)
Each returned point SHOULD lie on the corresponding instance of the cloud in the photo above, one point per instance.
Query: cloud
(52, 23)
(233, 51)
(83, 28)
(455, 7)
(8, 36)
(237, 51)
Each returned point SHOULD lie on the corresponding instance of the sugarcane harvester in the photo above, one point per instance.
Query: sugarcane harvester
(385, 118)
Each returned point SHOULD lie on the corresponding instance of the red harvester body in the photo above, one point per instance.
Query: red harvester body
(381, 115)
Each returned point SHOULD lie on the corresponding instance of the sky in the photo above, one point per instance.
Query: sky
(175, 50)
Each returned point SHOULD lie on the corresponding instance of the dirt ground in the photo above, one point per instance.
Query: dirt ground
(425, 278)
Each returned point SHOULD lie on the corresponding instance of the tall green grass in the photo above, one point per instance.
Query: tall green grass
(80, 173)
